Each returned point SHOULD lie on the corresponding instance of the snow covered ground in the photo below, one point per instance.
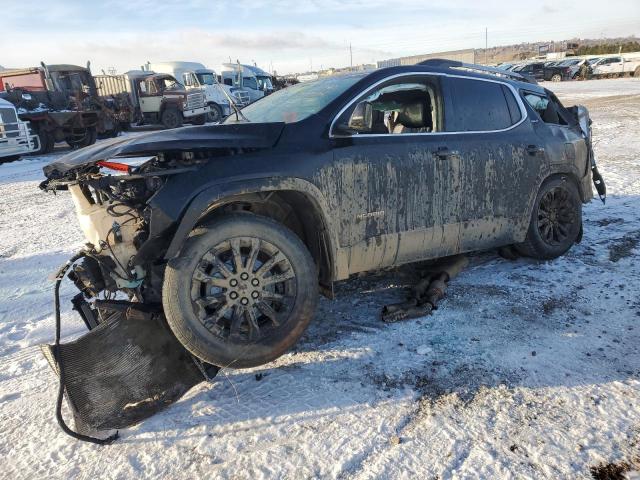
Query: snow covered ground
(527, 370)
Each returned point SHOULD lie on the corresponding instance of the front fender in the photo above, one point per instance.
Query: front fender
(215, 195)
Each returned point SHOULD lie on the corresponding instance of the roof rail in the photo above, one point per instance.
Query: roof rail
(442, 63)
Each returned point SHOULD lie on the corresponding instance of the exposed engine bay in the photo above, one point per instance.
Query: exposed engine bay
(110, 199)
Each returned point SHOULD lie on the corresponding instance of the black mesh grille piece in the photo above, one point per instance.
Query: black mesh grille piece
(124, 370)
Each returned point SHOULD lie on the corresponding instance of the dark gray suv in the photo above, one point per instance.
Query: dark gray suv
(233, 228)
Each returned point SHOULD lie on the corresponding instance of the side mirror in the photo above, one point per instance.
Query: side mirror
(361, 119)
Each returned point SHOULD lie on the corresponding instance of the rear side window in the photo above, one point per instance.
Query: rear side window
(480, 106)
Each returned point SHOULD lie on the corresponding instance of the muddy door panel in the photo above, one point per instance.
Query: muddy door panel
(498, 164)
(362, 186)
(431, 225)
(395, 199)
(497, 175)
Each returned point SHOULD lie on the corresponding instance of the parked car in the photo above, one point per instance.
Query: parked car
(16, 138)
(157, 98)
(505, 66)
(234, 227)
(533, 70)
(557, 72)
(616, 67)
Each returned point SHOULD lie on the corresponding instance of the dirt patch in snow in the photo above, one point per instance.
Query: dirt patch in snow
(624, 247)
(610, 471)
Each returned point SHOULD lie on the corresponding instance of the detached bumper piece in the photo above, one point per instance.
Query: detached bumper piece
(124, 370)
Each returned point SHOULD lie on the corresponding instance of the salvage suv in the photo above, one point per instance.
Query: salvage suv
(235, 227)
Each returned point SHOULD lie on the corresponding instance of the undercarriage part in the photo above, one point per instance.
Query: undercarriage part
(88, 277)
(127, 368)
(426, 294)
(85, 311)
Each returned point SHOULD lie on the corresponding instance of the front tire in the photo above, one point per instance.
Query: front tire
(556, 220)
(171, 118)
(242, 291)
(215, 114)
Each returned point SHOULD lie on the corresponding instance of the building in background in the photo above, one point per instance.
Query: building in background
(467, 56)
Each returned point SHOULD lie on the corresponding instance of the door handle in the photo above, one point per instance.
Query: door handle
(444, 152)
(534, 149)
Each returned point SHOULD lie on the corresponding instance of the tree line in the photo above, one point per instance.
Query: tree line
(606, 48)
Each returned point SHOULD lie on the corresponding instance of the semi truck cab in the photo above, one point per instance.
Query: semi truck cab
(195, 76)
(16, 138)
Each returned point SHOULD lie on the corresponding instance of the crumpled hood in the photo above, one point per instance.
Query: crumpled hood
(234, 135)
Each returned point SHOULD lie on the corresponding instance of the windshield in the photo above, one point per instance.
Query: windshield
(264, 83)
(206, 78)
(298, 102)
(250, 82)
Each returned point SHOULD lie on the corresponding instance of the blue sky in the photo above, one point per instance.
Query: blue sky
(290, 36)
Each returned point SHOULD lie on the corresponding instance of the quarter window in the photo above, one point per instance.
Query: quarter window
(480, 106)
(547, 109)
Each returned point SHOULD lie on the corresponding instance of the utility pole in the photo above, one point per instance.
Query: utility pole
(350, 57)
(486, 44)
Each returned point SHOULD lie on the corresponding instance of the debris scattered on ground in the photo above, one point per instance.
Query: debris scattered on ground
(426, 294)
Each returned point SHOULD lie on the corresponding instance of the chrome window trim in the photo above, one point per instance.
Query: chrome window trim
(514, 91)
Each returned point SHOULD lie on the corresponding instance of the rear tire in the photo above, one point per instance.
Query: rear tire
(88, 137)
(242, 291)
(556, 78)
(556, 220)
(171, 118)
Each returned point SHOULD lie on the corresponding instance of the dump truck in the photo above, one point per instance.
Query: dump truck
(157, 98)
(61, 104)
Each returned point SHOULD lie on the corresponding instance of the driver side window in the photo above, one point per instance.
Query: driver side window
(402, 106)
(148, 88)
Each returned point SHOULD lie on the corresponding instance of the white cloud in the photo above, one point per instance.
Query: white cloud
(291, 34)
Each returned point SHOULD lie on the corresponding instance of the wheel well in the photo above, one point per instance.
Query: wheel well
(570, 176)
(293, 210)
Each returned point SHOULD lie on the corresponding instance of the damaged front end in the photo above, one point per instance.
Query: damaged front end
(129, 365)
